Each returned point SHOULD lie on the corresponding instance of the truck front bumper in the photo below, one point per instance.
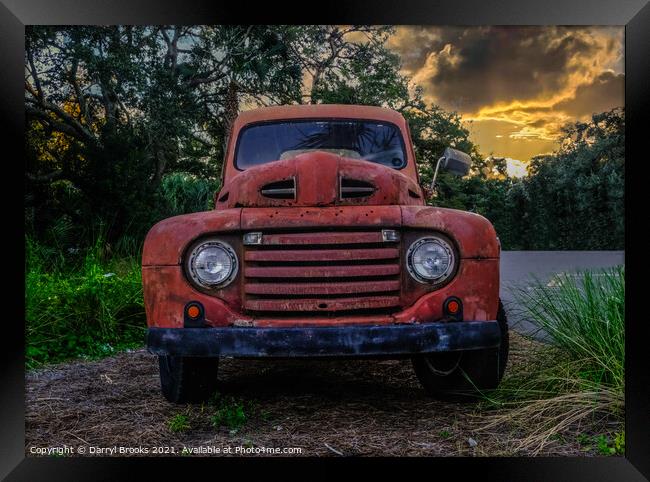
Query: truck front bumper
(346, 341)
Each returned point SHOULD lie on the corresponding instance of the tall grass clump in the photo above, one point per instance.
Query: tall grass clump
(577, 379)
(584, 315)
(186, 193)
(84, 303)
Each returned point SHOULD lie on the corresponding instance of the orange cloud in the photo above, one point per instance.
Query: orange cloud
(516, 86)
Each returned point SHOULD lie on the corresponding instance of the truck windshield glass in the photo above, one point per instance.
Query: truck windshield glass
(374, 141)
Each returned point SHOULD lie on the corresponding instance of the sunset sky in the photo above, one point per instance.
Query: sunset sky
(515, 86)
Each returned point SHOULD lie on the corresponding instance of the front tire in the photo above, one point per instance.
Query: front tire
(187, 379)
(464, 375)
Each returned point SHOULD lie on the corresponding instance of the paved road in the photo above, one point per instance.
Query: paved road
(519, 267)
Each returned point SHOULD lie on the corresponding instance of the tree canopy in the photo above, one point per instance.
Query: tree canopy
(121, 119)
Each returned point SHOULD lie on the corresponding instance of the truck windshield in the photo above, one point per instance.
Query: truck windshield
(374, 141)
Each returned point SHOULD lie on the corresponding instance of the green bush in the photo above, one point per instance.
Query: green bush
(87, 301)
(88, 306)
(186, 193)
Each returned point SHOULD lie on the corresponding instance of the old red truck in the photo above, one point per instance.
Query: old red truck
(321, 244)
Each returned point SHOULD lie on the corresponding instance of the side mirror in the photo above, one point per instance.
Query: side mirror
(455, 161)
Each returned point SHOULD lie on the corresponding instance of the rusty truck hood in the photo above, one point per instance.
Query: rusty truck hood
(319, 179)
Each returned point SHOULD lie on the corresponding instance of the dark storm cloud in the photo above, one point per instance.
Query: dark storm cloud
(604, 93)
(468, 68)
(473, 67)
(518, 85)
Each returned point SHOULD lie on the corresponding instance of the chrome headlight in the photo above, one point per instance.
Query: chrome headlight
(430, 260)
(212, 264)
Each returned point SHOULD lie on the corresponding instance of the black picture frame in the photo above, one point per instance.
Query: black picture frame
(633, 14)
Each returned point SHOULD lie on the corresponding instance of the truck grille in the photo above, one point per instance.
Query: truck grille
(320, 273)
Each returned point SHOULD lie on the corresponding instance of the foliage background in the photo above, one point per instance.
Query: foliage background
(126, 125)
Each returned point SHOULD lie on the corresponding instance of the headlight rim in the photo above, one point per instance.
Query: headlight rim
(448, 245)
(194, 251)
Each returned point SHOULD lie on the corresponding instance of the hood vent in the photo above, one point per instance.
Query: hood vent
(352, 188)
(285, 189)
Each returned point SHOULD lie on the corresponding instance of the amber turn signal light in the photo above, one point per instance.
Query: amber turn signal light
(193, 311)
(194, 315)
(453, 307)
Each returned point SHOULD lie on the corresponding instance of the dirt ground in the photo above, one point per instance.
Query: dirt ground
(342, 407)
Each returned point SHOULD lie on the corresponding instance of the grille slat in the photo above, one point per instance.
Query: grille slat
(316, 273)
(298, 289)
(321, 238)
(322, 255)
(320, 271)
(324, 304)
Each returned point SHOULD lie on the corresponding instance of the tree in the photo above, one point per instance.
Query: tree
(111, 110)
(349, 65)
(574, 197)
(248, 65)
(82, 93)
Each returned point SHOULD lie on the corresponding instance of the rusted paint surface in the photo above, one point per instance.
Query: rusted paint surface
(476, 284)
(473, 233)
(326, 218)
(166, 292)
(317, 177)
(166, 241)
